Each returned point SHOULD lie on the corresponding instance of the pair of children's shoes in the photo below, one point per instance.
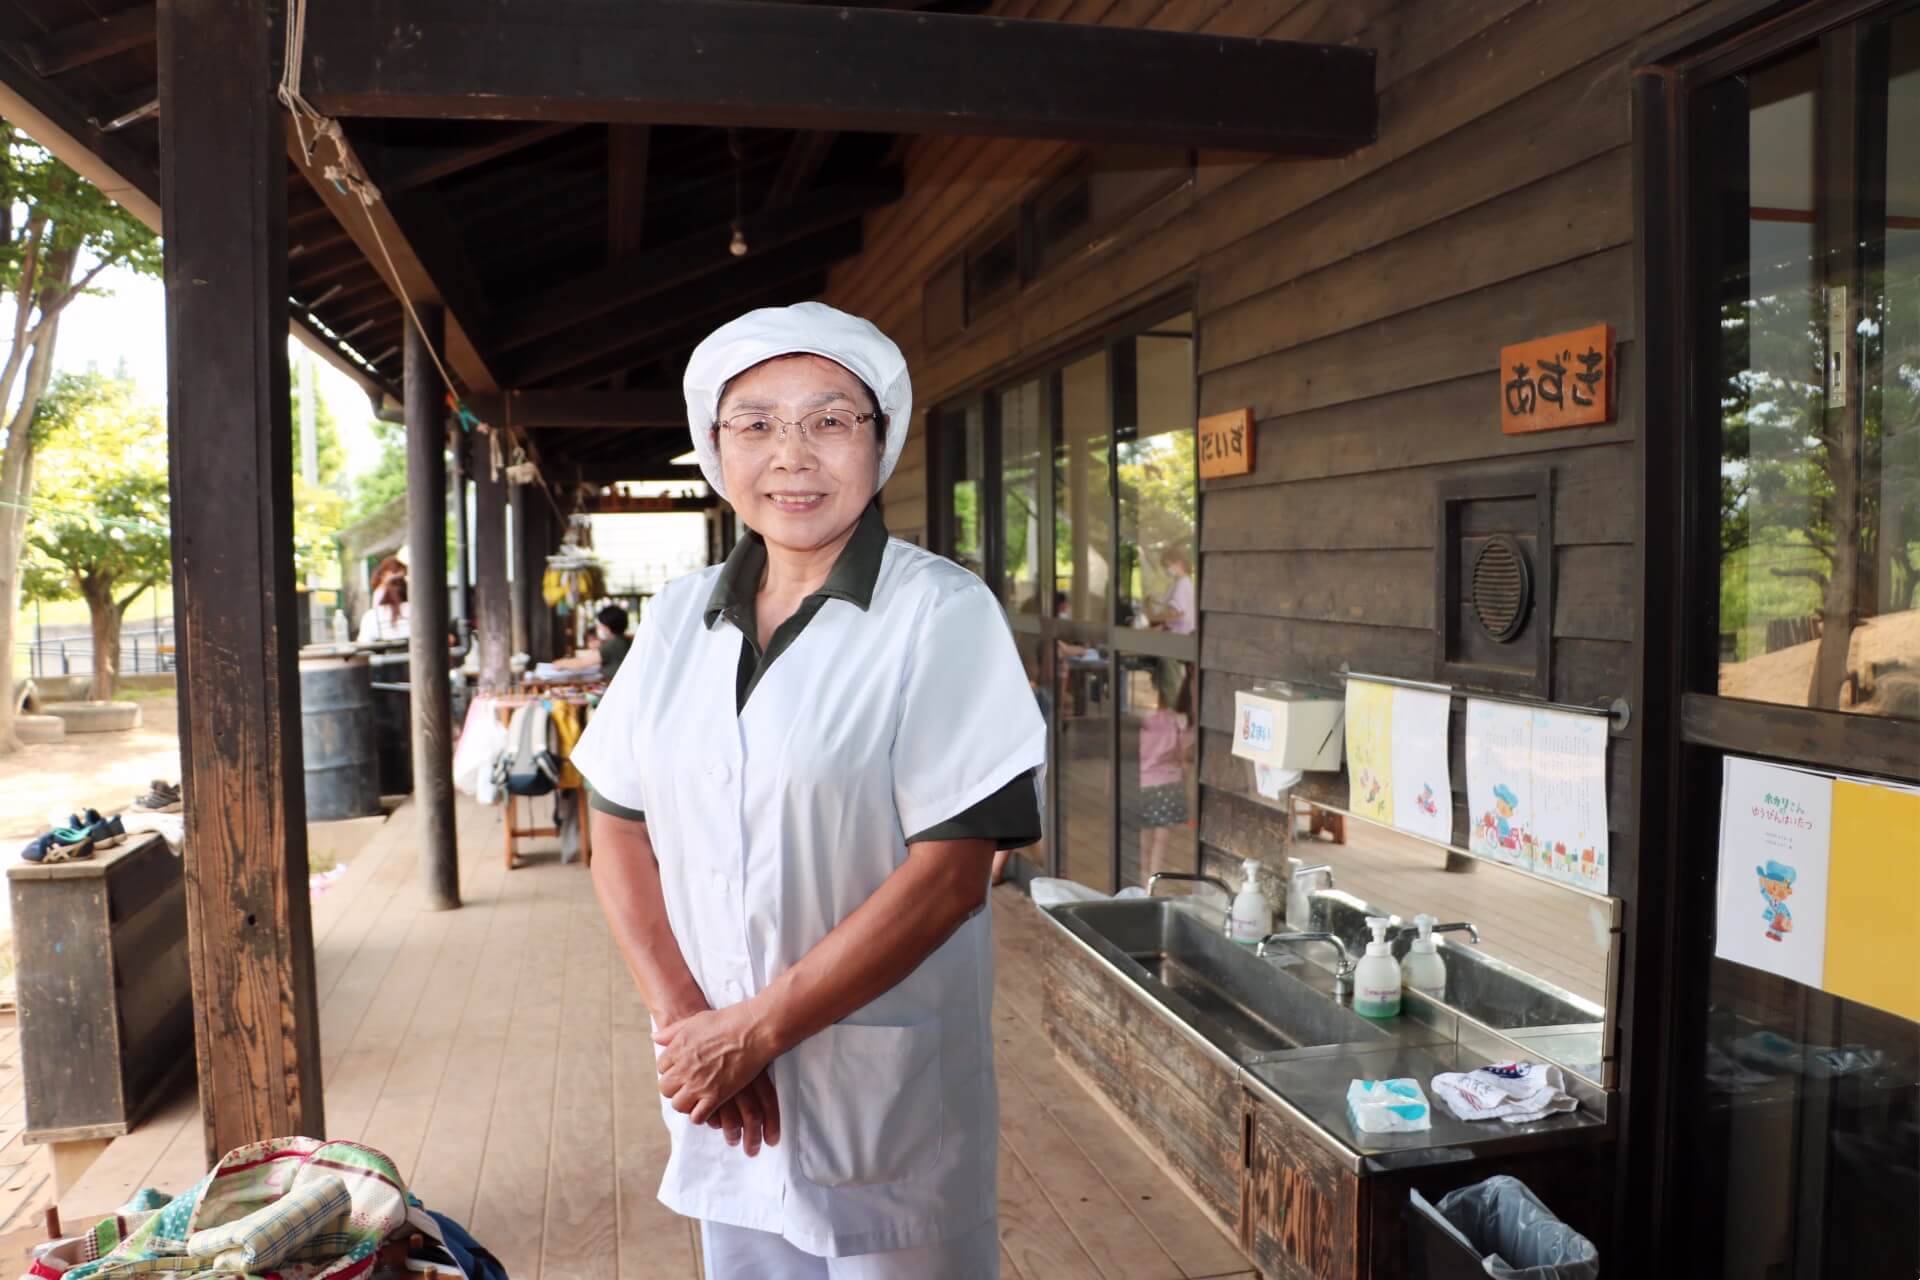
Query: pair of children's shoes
(162, 797)
(82, 835)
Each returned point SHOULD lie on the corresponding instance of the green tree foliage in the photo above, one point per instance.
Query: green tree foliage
(388, 478)
(58, 232)
(99, 529)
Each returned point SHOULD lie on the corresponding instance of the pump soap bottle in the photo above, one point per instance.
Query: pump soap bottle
(1423, 970)
(1252, 918)
(1376, 983)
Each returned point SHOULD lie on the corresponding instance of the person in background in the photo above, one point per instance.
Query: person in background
(1166, 748)
(388, 618)
(1174, 611)
(607, 647)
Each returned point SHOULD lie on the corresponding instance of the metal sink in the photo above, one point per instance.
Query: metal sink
(1243, 1005)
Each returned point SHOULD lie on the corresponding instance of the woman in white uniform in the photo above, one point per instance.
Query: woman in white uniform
(800, 777)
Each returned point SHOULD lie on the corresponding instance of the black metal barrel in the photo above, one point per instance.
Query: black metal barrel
(336, 735)
(393, 721)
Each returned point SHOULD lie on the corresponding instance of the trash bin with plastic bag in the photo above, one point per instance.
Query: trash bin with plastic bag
(1496, 1228)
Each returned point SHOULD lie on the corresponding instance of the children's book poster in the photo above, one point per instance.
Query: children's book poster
(1422, 788)
(1370, 730)
(1568, 808)
(1874, 869)
(1776, 831)
(1500, 780)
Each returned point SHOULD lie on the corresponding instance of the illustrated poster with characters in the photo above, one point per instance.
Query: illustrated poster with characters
(1776, 831)
(1422, 782)
(1370, 730)
(1569, 809)
(1500, 781)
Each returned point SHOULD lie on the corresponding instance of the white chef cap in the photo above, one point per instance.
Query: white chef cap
(806, 328)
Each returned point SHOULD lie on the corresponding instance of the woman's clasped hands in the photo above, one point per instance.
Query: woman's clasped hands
(714, 1071)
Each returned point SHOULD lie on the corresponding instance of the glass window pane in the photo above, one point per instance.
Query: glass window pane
(1082, 493)
(1158, 733)
(963, 442)
(1023, 453)
(1886, 652)
(1159, 499)
(1819, 497)
(1033, 656)
(1084, 703)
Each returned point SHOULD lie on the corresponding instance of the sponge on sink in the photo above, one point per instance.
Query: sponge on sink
(1388, 1106)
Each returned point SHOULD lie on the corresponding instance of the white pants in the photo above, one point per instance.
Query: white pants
(741, 1253)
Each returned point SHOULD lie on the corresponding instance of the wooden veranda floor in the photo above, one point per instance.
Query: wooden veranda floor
(501, 1057)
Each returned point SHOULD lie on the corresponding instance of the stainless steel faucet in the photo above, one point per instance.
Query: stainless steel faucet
(1343, 972)
(1299, 890)
(1215, 881)
(1457, 926)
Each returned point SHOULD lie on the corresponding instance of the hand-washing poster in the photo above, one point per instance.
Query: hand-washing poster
(1816, 877)
(1537, 781)
(1422, 782)
(1500, 780)
(1776, 830)
(1370, 750)
(1570, 798)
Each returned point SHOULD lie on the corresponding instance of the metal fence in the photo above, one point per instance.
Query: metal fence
(149, 649)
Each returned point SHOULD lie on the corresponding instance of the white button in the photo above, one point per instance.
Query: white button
(734, 989)
(723, 772)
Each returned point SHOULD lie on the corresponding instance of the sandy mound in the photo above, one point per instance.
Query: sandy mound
(1888, 645)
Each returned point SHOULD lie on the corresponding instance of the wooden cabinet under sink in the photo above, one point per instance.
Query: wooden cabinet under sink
(1301, 1209)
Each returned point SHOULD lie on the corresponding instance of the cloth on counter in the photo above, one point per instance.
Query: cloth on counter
(1517, 1092)
(171, 827)
(547, 673)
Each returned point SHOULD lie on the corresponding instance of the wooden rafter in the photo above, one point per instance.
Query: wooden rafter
(786, 66)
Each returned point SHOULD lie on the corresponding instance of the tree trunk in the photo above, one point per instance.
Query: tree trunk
(1840, 605)
(104, 613)
(16, 487)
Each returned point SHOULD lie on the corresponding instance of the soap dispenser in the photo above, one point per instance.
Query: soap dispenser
(1423, 970)
(1252, 917)
(1376, 983)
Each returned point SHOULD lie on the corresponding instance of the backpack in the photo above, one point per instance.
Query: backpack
(528, 767)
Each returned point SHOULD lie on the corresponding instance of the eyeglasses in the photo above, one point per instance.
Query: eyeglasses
(826, 428)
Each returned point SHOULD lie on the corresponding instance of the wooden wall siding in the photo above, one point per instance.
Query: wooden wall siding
(1358, 305)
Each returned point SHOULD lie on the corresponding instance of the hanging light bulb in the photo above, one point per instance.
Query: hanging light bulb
(738, 245)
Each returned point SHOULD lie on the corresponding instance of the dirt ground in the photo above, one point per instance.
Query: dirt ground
(104, 771)
(1891, 642)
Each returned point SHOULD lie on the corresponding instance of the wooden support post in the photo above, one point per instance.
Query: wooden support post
(230, 450)
(457, 498)
(534, 523)
(427, 647)
(520, 499)
(493, 629)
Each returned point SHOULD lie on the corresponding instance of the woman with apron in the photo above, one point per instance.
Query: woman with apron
(800, 778)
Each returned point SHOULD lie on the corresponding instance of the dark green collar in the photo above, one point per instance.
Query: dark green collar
(852, 577)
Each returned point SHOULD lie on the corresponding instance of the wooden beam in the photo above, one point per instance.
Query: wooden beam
(627, 148)
(431, 693)
(611, 504)
(86, 43)
(801, 67)
(250, 931)
(581, 301)
(638, 407)
(373, 225)
(604, 473)
(493, 629)
(411, 167)
(671, 339)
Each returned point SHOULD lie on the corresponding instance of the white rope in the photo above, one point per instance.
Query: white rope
(347, 175)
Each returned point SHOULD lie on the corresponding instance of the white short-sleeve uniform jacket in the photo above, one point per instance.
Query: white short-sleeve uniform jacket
(771, 825)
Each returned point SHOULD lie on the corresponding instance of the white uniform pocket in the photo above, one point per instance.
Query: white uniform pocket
(870, 1104)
